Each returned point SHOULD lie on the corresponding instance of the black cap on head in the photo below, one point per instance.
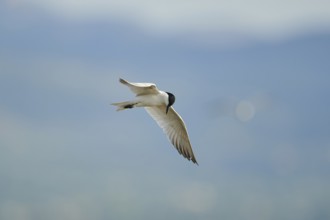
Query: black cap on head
(171, 100)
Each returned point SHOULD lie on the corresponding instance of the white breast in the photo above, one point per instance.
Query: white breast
(160, 99)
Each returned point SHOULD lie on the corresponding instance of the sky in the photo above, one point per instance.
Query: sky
(251, 80)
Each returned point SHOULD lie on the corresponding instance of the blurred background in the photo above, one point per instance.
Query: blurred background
(251, 80)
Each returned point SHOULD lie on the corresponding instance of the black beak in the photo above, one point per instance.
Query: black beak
(167, 108)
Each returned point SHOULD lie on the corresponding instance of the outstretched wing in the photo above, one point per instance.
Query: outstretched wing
(141, 88)
(175, 129)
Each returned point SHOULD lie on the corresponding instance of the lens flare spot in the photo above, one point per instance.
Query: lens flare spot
(245, 111)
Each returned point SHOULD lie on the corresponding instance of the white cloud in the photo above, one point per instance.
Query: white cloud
(254, 18)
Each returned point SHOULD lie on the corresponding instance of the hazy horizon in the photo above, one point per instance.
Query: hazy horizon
(251, 81)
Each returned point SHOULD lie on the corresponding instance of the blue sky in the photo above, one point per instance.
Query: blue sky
(251, 81)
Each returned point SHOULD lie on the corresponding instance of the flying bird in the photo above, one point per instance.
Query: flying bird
(159, 106)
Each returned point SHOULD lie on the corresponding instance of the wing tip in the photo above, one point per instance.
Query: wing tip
(189, 155)
(123, 81)
(193, 159)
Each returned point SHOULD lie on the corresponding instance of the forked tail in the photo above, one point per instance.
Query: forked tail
(124, 105)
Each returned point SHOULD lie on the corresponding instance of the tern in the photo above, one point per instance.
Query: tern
(159, 106)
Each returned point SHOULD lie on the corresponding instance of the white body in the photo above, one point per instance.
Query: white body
(152, 100)
(156, 103)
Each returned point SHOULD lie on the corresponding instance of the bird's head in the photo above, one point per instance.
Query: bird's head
(171, 100)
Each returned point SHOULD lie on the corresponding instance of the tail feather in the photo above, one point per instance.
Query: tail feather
(124, 105)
